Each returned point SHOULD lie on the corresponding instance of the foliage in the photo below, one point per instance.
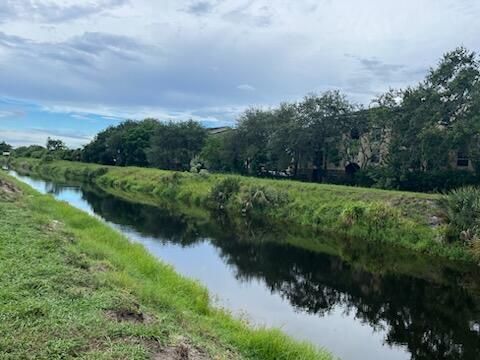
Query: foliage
(316, 206)
(4, 147)
(124, 145)
(32, 151)
(461, 210)
(438, 116)
(174, 145)
(406, 139)
(223, 191)
(55, 144)
(353, 213)
(220, 152)
(81, 289)
(260, 199)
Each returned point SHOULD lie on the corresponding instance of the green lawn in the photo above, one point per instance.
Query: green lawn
(72, 287)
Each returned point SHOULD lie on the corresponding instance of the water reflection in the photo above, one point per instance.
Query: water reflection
(433, 321)
(431, 316)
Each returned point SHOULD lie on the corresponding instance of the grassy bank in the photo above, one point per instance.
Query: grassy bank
(397, 218)
(74, 287)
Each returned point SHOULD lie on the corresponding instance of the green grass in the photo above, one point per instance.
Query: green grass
(72, 287)
(400, 219)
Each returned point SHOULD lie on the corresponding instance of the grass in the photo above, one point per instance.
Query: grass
(400, 219)
(72, 287)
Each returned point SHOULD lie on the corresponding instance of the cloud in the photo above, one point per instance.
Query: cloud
(81, 50)
(200, 7)
(25, 137)
(251, 15)
(12, 113)
(378, 68)
(48, 11)
(176, 59)
(245, 87)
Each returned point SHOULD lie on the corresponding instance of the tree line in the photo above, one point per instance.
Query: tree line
(405, 139)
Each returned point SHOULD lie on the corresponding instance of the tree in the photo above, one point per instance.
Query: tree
(124, 145)
(254, 128)
(33, 151)
(328, 119)
(4, 147)
(438, 117)
(55, 144)
(287, 146)
(173, 145)
(220, 152)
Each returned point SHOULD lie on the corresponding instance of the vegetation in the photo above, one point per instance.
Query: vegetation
(461, 209)
(423, 138)
(80, 289)
(4, 147)
(402, 219)
(174, 145)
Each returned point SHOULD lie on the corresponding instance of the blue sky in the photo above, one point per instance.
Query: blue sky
(69, 68)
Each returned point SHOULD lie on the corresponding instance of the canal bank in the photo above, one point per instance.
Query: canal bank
(399, 219)
(391, 303)
(74, 287)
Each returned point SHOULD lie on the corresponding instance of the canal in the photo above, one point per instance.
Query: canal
(358, 303)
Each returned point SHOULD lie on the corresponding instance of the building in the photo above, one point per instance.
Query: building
(218, 130)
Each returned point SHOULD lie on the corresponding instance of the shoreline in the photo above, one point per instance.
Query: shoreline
(399, 219)
(138, 294)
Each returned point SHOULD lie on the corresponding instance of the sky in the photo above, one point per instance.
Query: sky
(70, 68)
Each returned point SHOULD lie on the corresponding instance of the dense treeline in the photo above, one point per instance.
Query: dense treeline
(419, 138)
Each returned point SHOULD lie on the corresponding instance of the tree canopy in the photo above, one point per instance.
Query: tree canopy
(403, 137)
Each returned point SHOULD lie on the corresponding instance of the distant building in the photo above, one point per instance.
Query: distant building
(218, 130)
(6, 153)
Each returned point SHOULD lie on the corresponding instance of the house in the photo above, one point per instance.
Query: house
(6, 153)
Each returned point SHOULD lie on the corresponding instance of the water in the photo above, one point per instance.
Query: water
(384, 313)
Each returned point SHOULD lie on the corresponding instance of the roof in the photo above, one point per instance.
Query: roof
(219, 130)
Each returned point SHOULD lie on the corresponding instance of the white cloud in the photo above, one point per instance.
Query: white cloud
(176, 59)
(245, 87)
(11, 113)
(27, 137)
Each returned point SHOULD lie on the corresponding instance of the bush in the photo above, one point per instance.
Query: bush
(353, 213)
(461, 210)
(223, 191)
(380, 216)
(257, 198)
(173, 178)
(47, 158)
(420, 181)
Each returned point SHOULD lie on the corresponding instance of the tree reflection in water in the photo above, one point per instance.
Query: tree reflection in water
(432, 319)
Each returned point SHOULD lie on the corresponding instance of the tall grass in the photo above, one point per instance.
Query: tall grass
(397, 218)
(182, 306)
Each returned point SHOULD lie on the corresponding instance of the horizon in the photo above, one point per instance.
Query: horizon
(70, 69)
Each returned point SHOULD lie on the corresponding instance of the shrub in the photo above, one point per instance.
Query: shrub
(380, 216)
(257, 198)
(421, 181)
(222, 192)
(353, 213)
(173, 178)
(47, 158)
(461, 210)
(204, 173)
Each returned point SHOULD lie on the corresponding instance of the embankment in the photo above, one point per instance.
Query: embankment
(74, 287)
(401, 219)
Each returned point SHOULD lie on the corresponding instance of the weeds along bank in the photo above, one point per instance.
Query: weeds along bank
(77, 288)
(408, 220)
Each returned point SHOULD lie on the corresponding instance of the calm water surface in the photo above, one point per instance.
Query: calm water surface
(311, 295)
